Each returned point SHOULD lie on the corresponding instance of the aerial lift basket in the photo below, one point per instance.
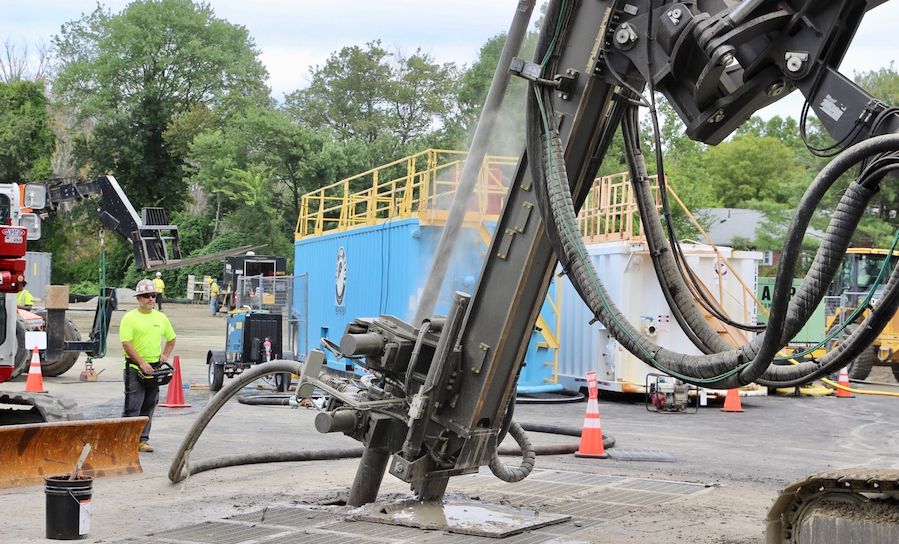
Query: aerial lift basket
(34, 451)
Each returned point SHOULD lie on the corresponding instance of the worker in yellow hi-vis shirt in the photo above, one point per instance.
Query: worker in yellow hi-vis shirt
(24, 299)
(142, 332)
(160, 290)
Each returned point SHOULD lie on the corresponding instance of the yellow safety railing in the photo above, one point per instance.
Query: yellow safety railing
(610, 211)
(422, 185)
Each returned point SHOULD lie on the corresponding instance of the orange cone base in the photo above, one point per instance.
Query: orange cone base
(843, 394)
(592, 455)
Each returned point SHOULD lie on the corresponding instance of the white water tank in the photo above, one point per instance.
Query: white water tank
(627, 272)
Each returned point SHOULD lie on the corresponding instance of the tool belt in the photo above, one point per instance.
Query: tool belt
(161, 375)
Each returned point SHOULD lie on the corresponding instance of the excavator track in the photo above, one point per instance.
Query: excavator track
(857, 505)
(43, 408)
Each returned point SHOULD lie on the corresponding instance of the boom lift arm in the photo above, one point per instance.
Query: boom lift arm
(153, 239)
(446, 384)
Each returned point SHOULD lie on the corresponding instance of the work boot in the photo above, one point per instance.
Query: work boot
(145, 447)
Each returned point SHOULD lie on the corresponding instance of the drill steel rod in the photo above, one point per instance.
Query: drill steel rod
(469, 178)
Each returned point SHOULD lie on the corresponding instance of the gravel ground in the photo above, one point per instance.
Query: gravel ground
(744, 458)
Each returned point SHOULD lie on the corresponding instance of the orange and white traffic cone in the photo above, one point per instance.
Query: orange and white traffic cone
(732, 401)
(591, 433)
(843, 381)
(175, 392)
(35, 381)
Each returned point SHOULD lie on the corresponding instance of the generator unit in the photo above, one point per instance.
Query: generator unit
(252, 337)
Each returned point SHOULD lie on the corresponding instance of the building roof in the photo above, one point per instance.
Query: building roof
(730, 223)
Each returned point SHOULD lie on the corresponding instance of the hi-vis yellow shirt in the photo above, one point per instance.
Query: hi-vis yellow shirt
(145, 332)
(24, 298)
(160, 285)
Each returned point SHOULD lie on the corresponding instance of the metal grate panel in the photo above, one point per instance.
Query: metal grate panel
(375, 530)
(594, 480)
(218, 532)
(626, 496)
(289, 517)
(306, 537)
(589, 499)
(593, 509)
(677, 488)
(541, 489)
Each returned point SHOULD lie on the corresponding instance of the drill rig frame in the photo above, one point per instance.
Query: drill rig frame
(443, 387)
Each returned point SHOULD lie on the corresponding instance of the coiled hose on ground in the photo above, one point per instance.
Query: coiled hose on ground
(181, 468)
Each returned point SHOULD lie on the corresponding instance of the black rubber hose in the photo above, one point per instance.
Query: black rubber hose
(274, 457)
(176, 470)
(710, 366)
(859, 340)
(787, 316)
(549, 398)
(528, 457)
(607, 440)
(354, 453)
(677, 293)
(266, 399)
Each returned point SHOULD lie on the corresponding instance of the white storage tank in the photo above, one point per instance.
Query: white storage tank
(626, 270)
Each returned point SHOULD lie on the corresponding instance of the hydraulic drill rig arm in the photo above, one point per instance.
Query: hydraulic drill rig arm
(449, 382)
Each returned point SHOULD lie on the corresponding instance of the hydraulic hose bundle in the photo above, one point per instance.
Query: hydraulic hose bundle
(724, 367)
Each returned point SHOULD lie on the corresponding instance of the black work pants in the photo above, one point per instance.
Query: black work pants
(140, 399)
(159, 301)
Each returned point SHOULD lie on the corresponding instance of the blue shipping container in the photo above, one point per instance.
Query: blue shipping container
(369, 271)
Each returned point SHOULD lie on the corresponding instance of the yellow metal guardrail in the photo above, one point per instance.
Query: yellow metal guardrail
(422, 185)
(610, 211)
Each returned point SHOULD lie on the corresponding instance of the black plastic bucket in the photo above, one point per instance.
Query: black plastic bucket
(68, 507)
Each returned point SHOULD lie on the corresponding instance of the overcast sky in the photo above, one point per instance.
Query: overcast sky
(293, 35)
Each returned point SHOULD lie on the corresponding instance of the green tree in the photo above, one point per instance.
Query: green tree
(749, 169)
(509, 132)
(130, 74)
(26, 132)
(382, 104)
(296, 158)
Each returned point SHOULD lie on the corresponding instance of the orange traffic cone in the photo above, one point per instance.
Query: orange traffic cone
(35, 381)
(174, 397)
(591, 433)
(732, 401)
(843, 381)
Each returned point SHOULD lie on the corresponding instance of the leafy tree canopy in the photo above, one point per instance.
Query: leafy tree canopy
(26, 133)
(129, 74)
(384, 100)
